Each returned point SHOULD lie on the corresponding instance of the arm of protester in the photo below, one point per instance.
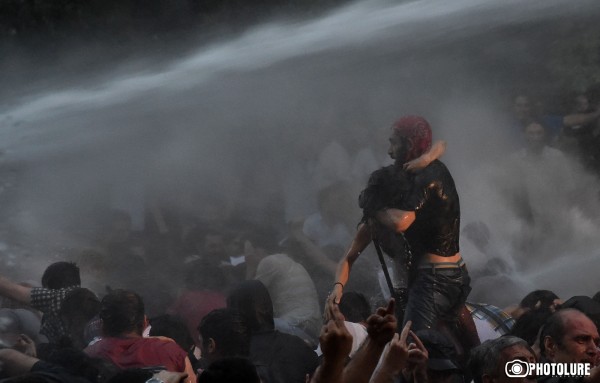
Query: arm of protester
(396, 219)
(26, 345)
(15, 363)
(436, 151)
(417, 360)
(313, 253)
(15, 291)
(336, 343)
(361, 240)
(580, 118)
(380, 327)
(393, 359)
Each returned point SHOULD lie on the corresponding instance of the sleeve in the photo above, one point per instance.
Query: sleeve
(267, 270)
(45, 300)
(418, 194)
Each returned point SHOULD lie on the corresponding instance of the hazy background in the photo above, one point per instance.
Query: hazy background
(232, 124)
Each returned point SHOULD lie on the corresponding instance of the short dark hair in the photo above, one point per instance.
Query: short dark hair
(355, 307)
(528, 325)
(253, 301)
(476, 359)
(229, 330)
(545, 297)
(239, 370)
(60, 275)
(122, 311)
(491, 358)
(172, 327)
(77, 309)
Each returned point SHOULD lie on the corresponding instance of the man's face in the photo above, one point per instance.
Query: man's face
(580, 342)
(214, 246)
(522, 108)
(398, 147)
(514, 352)
(536, 136)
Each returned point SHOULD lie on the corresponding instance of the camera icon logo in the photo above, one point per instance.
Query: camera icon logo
(516, 369)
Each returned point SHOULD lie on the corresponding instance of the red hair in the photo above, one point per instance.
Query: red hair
(416, 130)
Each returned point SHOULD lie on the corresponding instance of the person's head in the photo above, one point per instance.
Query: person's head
(569, 336)
(523, 108)
(172, 327)
(586, 305)
(78, 308)
(60, 275)
(410, 138)
(355, 307)
(542, 299)
(477, 359)
(224, 333)
(441, 365)
(253, 301)
(535, 134)
(122, 312)
(501, 351)
(239, 370)
(528, 325)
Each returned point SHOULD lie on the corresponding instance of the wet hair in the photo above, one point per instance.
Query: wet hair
(528, 326)
(60, 275)
(239, 370)
(355, 307)
(491, 358)
(228, 329)
(172, 327)
(545, 297)
(252, 300)
(122, 311)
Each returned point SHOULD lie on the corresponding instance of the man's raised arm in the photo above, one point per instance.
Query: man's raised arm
(14, 291)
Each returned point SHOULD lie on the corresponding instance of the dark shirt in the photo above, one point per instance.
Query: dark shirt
(434, 199)
(286, 357)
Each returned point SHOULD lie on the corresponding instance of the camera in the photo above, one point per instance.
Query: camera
(516, 369)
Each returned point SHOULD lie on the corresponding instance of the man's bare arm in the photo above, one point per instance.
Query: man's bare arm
(361, 240)
(436, 151)
(396, 219)
(15, 291)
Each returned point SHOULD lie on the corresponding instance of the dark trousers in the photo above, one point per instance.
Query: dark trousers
(436, 294)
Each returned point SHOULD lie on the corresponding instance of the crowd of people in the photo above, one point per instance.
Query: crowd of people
(233, 302)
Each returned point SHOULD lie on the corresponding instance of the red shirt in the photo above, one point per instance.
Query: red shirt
(192, 306)
(139, 352)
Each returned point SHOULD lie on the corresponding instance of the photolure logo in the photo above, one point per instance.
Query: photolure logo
(520, 369)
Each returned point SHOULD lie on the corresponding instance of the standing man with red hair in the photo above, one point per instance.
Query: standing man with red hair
(423, 208)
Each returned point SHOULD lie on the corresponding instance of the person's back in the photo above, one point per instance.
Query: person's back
(437, 221)
(285, 357)
(123, 321)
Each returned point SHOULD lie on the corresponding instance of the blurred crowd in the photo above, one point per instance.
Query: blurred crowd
(209, 299)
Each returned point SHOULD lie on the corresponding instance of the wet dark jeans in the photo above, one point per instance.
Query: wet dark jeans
(436, 295)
